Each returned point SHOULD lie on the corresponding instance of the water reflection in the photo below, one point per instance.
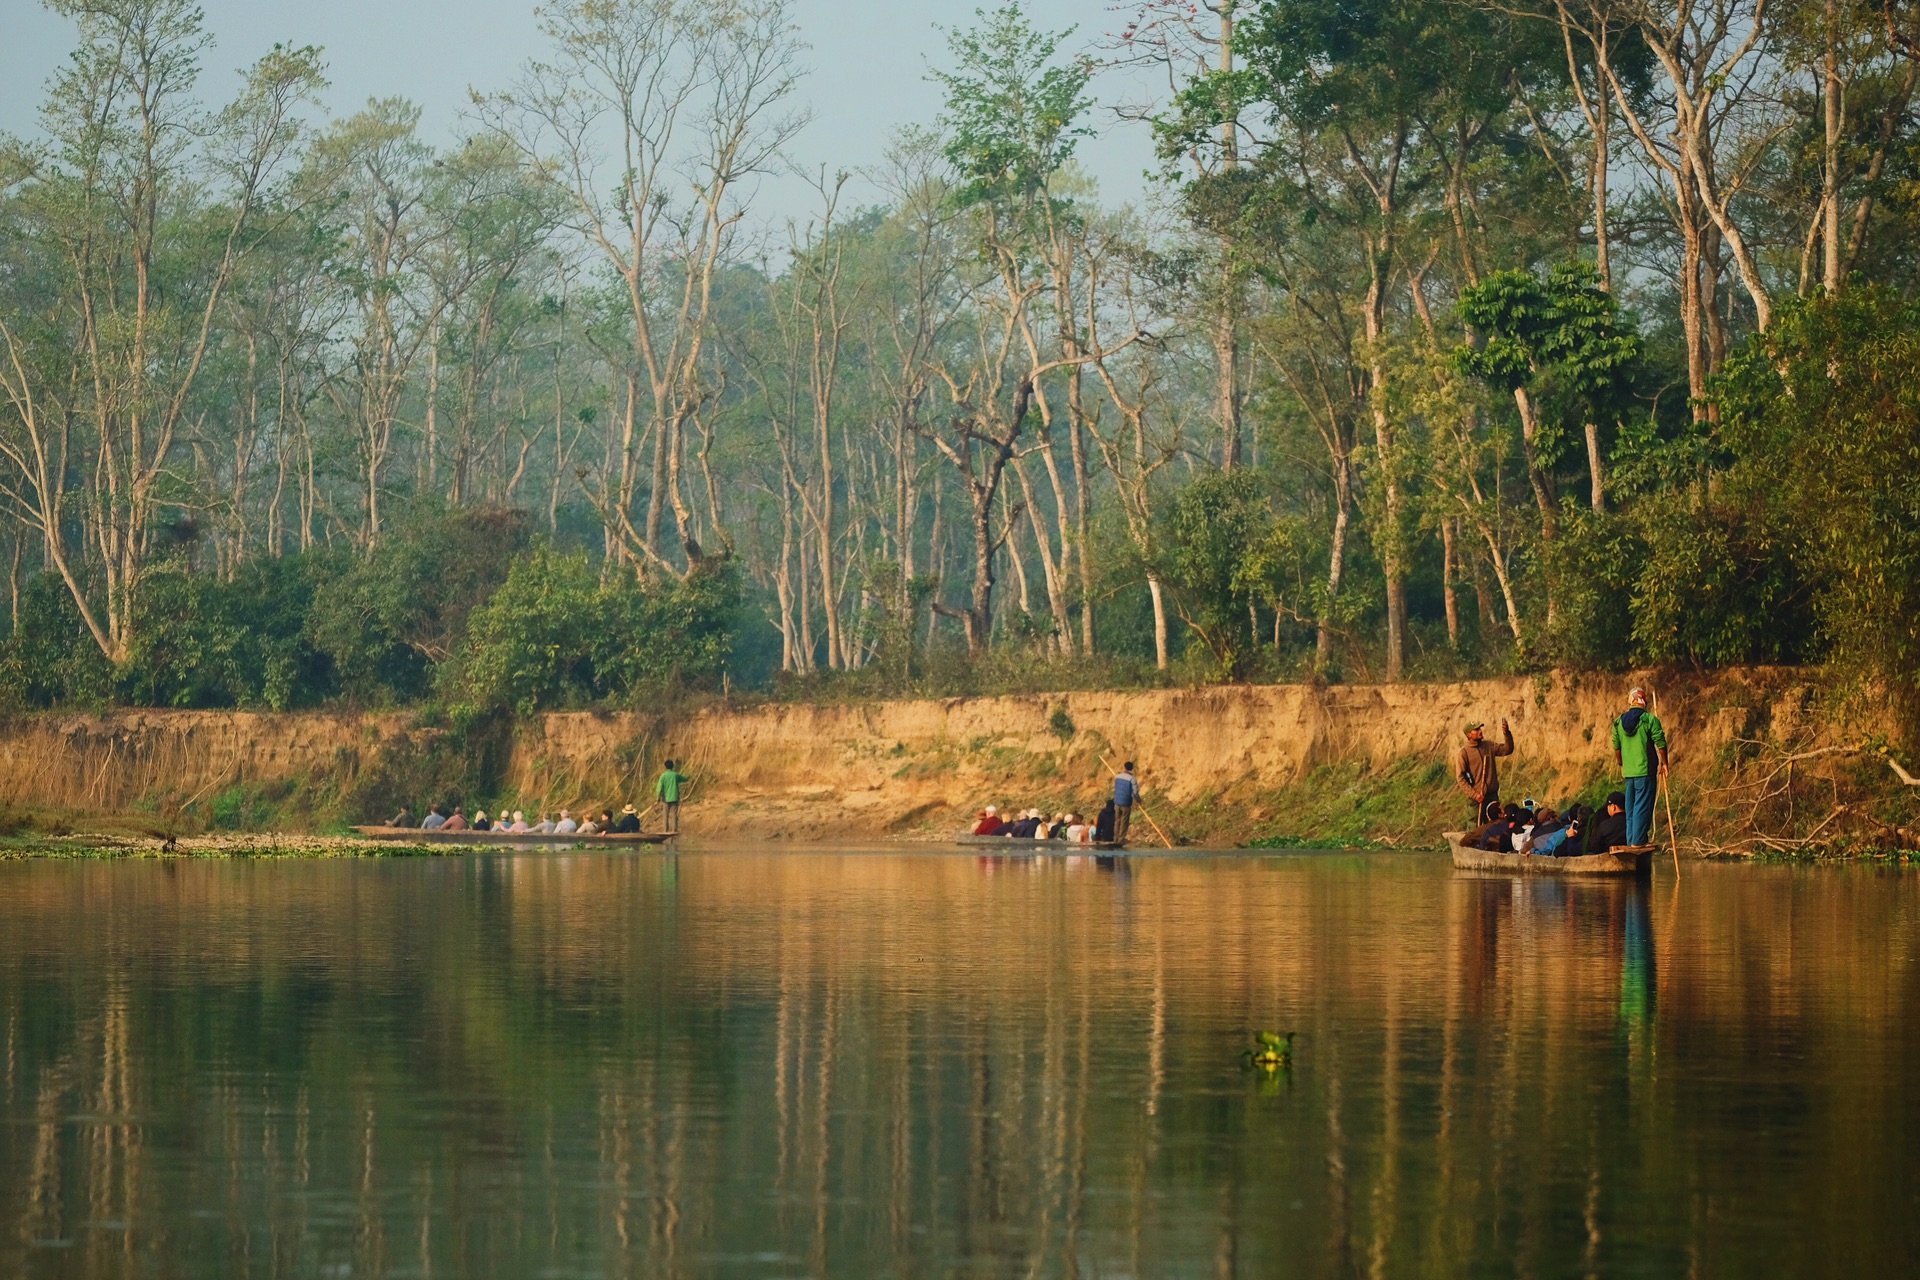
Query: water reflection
(811, 1064)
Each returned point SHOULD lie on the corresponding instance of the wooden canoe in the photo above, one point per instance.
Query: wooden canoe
(1036, 845)
(1626, 860)
(414, 835)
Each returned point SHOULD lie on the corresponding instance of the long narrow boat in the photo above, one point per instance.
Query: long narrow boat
(1036, 844)
(1627, 860)
(414, 835)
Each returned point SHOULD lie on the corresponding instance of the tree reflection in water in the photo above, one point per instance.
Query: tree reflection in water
(887, 1064)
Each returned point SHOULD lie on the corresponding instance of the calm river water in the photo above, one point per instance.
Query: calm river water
(893, 1064)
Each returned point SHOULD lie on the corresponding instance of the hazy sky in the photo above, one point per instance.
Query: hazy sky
(869, 61)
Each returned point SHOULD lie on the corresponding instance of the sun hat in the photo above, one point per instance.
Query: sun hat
(1637, 696)
(628, 809)
(1475, 724)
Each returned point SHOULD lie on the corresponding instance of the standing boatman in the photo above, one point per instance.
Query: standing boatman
(1126, 791)
(1477, 771)
(1639, 741)
(667, 791)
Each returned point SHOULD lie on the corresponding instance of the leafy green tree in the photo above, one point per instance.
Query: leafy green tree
(1824, 410)
(1559, 334)
(1219, 523)
(557, 635)
(394, 616)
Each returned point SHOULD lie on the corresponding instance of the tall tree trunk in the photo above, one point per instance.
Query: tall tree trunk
(1392, 554)
(1448, 564)
(1160, 660)
(1595, 467)
(1336, 562)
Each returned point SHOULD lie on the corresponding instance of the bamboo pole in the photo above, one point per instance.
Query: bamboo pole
(1666, 788)
(1142, 808)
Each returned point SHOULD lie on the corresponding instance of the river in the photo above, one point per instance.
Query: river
(739, 1063)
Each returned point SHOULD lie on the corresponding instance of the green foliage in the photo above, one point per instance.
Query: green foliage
(392, 617)
(1217, 521)
(561, 633)
(1717, 586)
(198, 642)
(1011, 119)
(1561, 336)
(201, 642)
(1593, 565)
(1825, 407)
(48, 659)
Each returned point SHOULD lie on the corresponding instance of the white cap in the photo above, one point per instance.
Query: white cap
(991, 809)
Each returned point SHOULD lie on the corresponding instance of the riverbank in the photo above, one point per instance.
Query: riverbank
(1760, 750)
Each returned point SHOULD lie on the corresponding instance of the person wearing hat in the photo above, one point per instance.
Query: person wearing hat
(989, 824)
(1477, 771)
(1640, 750)
(629, 822)
(1609, 828)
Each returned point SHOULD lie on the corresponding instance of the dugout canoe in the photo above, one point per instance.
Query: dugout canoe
(1627, 860)
(1035, 845)
(481, 839)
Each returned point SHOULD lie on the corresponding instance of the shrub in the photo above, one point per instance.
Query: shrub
(1826, 409)
(390, 619)
(560, 633)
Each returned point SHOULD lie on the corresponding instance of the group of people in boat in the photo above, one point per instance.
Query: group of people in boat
(1639, 743)
(667, 790)
(515, 822)
(1031, 824)
(1109, 826)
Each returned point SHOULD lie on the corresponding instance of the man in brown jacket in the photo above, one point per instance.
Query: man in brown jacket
(1477, 771)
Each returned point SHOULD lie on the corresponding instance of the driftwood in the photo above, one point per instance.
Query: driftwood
(1773, 781)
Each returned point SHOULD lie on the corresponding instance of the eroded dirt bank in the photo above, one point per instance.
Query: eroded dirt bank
(1226, 763)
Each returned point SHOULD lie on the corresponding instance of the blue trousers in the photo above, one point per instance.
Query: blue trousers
(1640, 793)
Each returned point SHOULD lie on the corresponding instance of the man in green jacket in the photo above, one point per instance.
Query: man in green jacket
(1639, 744)
(667, 792)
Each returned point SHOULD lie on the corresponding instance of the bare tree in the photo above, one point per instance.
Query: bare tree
(692, 100)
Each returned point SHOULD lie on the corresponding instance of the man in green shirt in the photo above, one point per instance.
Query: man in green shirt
(1639, 743)
(667, 792)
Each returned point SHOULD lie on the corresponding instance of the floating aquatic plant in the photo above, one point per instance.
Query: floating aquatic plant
(1270, 1049)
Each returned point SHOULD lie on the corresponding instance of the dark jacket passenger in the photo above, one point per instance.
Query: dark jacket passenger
(1608, 831)
(1103, 825)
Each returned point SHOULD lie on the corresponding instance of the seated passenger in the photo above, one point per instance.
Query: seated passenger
(435, 819)
(990, 823)
(1103, 825)
(458, 822)
(1609, 830)
(1078, 832)
(404, 818)
(629, 822)
(1566, 840)
(544, 827)
(480, 820)
(1548, 833)
(590, 827)
(566, 826)
(1498, 835)
(519, 823)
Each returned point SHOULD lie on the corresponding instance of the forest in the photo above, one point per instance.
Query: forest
(1453, 336)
